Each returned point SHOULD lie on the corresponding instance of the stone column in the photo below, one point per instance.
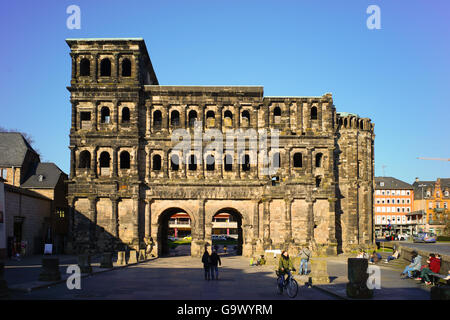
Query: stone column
(138, 62)
(116, 115)
(115, 216)
(288, 219)
(116, 67)
(74, 115)
(202, 117)
(95, 116)
(115, 162)
(95, 73)
(309, 160)
(148, 116)
(237, 115)
(256, 219)
(136, 222)
(74, 65)
(93, 171)
(148, 216)
(266, 224)
(332, 241)
(219, 117)
(166, 163)
(73, 172)
(93, 222)
(310, 220)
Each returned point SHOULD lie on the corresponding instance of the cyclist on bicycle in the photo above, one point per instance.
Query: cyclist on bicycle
(285, 266)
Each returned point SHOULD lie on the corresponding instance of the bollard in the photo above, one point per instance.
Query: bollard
(357, 277)
(84, 262)
(319, 272)
(106, 261)
(142, 255)
(50, 269)
(133, 257)
(3, 285)
(121, 261)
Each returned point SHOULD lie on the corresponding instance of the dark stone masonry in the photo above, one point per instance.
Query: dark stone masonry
(125, 181)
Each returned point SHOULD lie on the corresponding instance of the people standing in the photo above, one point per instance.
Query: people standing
(305, 255)
(214, 262)
(206, 263)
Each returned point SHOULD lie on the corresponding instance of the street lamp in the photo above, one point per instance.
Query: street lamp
(423, 201)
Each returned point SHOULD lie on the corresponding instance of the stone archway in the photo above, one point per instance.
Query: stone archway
(236, 219)
(162, 230)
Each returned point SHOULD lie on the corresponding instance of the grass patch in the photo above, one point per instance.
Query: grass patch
(225, 242)
(176, 243)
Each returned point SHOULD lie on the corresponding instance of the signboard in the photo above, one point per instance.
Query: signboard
(48, 248)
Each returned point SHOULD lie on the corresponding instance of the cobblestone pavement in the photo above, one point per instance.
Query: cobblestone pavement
(178, 278)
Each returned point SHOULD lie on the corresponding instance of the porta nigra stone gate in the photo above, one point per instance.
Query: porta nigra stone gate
(125, 182)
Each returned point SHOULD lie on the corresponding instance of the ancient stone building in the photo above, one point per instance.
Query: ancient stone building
(126, 180)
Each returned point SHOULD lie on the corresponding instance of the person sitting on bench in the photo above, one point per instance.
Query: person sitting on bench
(394, 256)
(434, 266)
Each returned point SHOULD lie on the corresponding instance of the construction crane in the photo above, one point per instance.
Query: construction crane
(438, 159)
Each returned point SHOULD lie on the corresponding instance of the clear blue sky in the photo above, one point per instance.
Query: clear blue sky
(397, 76)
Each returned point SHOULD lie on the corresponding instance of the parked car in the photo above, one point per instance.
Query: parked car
(187, 238)
(425, 237)
(403, 237)
(171, 238)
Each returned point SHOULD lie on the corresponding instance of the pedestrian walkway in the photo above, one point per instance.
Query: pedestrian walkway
(178, 278)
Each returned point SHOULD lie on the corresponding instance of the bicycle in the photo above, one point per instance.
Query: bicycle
(290, 284)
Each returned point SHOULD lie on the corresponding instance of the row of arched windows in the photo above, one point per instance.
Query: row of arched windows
(347, 123)
(228, 162)
(105, 160)
(193, 116)
(105, 115)
(105, 67)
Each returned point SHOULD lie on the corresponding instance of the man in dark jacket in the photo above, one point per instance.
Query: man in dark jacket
(215, 260)
(206, 259)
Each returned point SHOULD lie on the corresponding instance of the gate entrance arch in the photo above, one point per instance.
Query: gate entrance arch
(164, 225)
(227, 223)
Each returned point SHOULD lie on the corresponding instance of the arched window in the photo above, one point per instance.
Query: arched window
(125, 115)
(298, 160)
(210, 162)
(318, 181)
(276, 160)
(345, 123)
(361, 125)
(105, 68)
(277, 115)
(318, 160)
(246, 163)
(192, 162)
(105, 159)
(157, 119)
(246, 116)
(124, 160)
(192, 117)
(314, 113)
(85, 67)
(126, 67)
(105, 116)
(85, 159)
(174, 162)
(210, 118)
(228, 118)
(156, 162)
(228, 162)
(175, 118)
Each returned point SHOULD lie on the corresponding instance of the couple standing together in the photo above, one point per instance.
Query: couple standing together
(210, 264)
